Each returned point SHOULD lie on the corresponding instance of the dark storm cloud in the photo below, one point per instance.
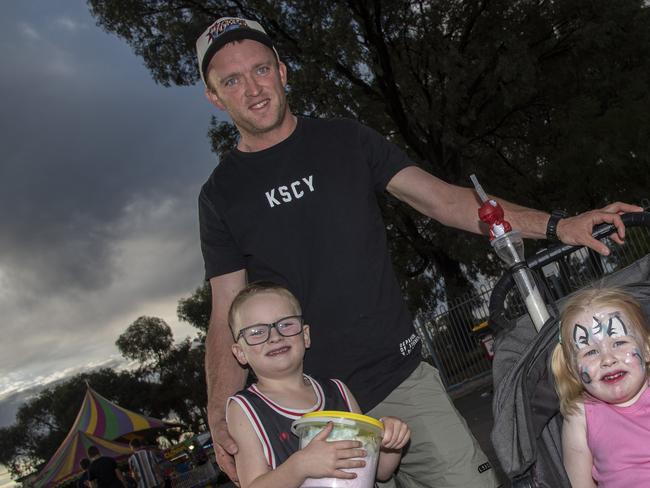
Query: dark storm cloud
(99, 173)
(80, 142)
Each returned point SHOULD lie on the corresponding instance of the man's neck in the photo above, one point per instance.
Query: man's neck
(250, 142)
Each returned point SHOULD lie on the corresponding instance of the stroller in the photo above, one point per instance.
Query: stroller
(527, 423)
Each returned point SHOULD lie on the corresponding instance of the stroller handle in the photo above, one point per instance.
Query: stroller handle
(506, 282)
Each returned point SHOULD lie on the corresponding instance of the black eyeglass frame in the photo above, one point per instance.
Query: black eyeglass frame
(272, 325)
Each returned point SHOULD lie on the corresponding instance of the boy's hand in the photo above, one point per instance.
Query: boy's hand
(323, 459)
(396, 433)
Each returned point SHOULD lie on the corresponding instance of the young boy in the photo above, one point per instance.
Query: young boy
(271, 338)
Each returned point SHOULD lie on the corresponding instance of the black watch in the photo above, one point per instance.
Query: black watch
(551, 227)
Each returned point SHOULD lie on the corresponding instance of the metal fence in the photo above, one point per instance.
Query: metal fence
(456, 338)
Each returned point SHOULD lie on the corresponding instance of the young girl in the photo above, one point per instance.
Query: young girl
(601, 377)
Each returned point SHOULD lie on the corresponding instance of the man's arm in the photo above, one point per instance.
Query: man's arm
(457, 207)
(223, 374)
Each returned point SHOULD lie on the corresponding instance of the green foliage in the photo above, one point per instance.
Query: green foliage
(174, 372)
(196, 309)
(182, 385)
(146, 340)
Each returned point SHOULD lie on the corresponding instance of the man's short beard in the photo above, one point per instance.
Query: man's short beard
(252, 129)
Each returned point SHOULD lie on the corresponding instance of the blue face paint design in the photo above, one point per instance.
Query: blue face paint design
(584, 376)
(637, 354)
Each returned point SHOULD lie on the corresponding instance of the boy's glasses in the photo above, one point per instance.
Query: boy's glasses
(260, 333)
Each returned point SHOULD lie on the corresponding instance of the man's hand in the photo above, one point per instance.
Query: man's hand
(576, 231)
(225, 447)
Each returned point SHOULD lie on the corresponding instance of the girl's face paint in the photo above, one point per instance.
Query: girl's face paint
(609, 355)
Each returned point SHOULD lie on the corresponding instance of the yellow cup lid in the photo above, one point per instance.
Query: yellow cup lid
(327, 415)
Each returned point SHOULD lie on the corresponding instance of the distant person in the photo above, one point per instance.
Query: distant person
(295, 202)
(145, 466)
(271, 338)
(129, 480)
(601, 376)
(103, 471)
(83, 482)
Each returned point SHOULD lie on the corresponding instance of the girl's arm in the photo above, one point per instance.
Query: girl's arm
(318, 460)
(577, 456)
(396, 435)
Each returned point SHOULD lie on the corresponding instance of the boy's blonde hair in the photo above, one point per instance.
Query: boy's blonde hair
(258, 288)
(567, 383)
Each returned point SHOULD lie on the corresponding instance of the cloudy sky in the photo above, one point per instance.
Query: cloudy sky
(100, 169)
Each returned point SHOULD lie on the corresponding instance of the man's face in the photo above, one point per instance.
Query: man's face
(609, 354)
(248, 82)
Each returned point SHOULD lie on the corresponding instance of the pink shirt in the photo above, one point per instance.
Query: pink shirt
(619, 441)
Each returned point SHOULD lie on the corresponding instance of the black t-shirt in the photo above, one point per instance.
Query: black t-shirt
(102, 470)
(304, 214)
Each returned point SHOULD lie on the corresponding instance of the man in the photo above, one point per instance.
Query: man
(144, 466)
(103, 471)
(295, 203)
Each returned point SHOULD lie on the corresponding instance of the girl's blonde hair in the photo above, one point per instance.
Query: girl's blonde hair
(567, 381)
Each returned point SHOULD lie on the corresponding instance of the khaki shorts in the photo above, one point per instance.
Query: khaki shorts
(443, 453)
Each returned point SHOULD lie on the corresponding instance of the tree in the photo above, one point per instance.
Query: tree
(173, 372)
(182, 380)
(146, 340)
(195, 310)
(544, 101)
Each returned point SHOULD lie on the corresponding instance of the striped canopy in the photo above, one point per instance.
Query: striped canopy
(65, 462)
(99, 422)
(103, 418)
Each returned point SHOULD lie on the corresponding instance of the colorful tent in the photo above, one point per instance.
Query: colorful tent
(64, 464)
(99, 422)
(103, 418)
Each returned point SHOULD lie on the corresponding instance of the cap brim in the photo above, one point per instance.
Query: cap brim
(230, 36)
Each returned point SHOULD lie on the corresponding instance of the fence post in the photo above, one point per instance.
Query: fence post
(431, 351)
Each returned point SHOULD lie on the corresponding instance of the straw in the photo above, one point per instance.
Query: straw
(479, 189)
